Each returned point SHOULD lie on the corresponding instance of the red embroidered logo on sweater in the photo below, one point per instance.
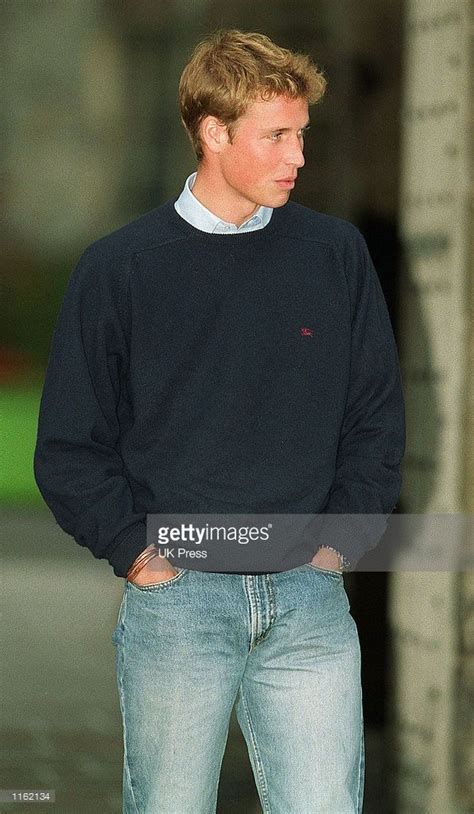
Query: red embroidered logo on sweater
(306, 331)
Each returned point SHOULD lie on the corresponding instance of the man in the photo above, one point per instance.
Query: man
(230, 351)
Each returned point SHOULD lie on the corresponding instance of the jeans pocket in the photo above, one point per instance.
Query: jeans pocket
(331, 571)
(158, 586)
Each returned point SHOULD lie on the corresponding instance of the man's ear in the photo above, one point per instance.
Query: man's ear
(214, 134)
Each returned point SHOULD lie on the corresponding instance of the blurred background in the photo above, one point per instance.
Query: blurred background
(92, 139)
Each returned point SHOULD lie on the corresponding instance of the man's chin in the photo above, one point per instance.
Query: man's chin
(282, 199)
(282, 203)
(274, 200)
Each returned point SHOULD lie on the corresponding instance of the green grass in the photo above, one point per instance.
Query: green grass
(18, 421)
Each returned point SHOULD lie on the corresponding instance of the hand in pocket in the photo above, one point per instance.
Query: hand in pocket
(156, 570)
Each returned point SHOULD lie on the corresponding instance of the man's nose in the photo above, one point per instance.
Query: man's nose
(295, 154)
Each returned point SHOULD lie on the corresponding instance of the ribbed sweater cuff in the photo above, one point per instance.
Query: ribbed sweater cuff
(352, 535)
(128, 545)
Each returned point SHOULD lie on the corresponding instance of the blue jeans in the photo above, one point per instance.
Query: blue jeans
(284, 647)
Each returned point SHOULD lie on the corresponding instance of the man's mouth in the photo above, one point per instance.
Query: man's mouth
(286, 183)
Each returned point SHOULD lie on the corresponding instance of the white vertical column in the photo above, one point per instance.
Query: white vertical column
(436, 314)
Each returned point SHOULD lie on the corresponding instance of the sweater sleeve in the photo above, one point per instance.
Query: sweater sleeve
(367, 480)
(77, 462)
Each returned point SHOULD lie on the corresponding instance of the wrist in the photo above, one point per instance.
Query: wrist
(149, 553)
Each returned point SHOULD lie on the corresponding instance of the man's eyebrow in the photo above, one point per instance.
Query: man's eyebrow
(285, 129)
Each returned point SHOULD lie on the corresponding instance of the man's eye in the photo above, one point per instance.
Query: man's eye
(275, 136)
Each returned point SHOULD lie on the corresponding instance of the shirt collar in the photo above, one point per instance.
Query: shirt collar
(192, 210)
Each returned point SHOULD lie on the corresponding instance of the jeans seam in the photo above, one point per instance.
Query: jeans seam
(122, 707)
(249, 588)
(360, 788)
(327, 570)
(271, 601)
(153, 587)
(260, 774)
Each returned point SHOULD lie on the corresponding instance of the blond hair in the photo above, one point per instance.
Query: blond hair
(230, 69)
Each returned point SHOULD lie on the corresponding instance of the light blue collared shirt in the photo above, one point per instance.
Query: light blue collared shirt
(202, 218)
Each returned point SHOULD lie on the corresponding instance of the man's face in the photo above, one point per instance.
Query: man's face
(260, 166)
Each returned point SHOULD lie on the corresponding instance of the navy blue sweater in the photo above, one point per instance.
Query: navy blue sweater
(195, 372)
